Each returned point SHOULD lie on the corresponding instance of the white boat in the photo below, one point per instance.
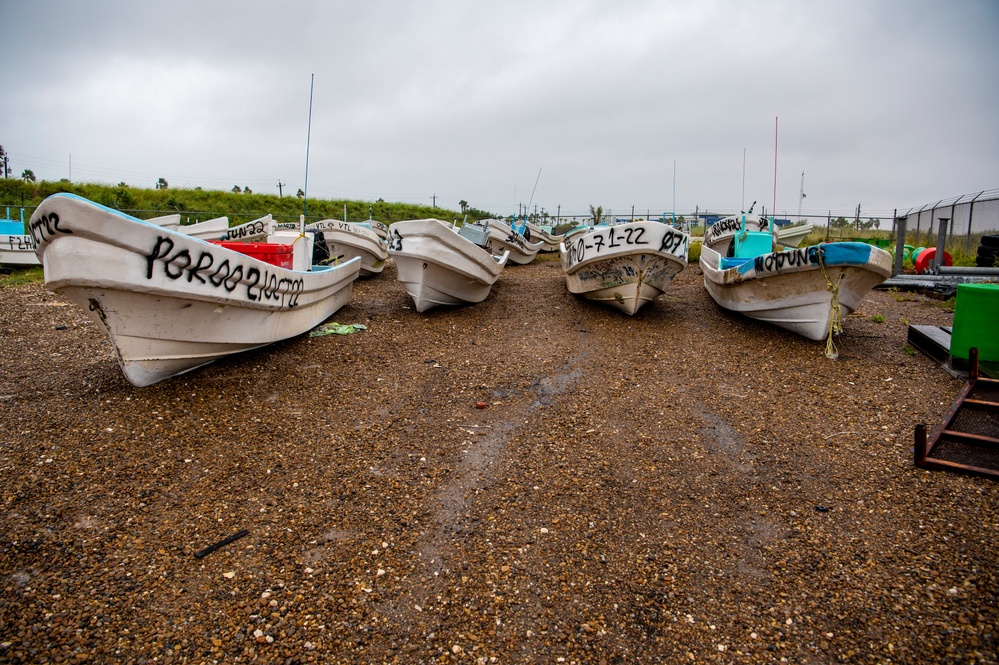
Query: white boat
(791, 236)
(16, 247)
(543, 233)
(719, 235)
(347, 240)
(254, 231)
(210, 229)
(171, 303)
(625, 265)
(381, 228)
(443, 266)
(806, 290)
(503, 238)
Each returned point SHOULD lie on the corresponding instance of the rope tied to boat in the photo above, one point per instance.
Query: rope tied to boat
(836, 312)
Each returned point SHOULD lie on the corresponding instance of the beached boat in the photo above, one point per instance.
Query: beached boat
(171, 303)
(502, 238)
(16, 247)
(440, 265)
(719, 235)
(791, 236)
(543, 233)
(347, 240)
(806, 290)
(254, 231)
(210, 229)
(625, 265)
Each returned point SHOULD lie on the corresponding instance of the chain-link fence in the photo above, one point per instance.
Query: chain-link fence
(968, 216)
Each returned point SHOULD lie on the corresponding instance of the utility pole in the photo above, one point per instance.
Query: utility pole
(435, 200)
(280, 190)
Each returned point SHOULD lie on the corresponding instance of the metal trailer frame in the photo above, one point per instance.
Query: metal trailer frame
(967, 441)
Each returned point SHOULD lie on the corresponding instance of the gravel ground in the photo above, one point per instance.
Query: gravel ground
(679, 486)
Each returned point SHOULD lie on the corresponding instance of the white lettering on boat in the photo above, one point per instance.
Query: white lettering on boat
(260, 286)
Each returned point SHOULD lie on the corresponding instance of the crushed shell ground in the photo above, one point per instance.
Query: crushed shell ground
(679, 486)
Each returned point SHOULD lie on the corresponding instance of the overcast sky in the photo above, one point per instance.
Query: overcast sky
(617, 103)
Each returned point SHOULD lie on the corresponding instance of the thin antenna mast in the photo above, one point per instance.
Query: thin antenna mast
(674, 192)
(743, 206)
(801, 194)
(308, 140)
(531, 200)
(774, 210)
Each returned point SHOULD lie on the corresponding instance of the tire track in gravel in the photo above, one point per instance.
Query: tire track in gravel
(477, 470)
(725, 442)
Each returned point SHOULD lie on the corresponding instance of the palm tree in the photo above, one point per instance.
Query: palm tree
(597, 213)
(28, 175)
(464, 205)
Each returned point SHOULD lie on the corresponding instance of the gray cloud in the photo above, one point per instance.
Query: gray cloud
(885, 103)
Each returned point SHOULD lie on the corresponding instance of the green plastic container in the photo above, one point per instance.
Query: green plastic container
(976, 321)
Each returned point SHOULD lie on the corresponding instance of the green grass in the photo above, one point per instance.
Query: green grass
(694, 253)
(30, 275)
(878, 318)
(201, 204)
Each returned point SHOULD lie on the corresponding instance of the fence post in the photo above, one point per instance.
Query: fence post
(899, 244)
(938, 259)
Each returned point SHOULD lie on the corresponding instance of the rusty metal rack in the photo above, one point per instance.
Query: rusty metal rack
(967, 441)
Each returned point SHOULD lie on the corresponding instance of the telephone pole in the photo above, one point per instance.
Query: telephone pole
(280, 190)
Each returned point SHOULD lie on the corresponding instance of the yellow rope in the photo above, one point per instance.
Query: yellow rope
(836, 312)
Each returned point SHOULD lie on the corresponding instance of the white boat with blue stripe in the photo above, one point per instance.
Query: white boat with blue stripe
(806, 290)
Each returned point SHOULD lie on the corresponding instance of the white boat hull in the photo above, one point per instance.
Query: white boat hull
(502, 238)
(624, 266)
(719, 235)
(347, 241)
(168, 302)
(791, 290)
(549, 241)
(255, 231)
(17, 250)
(439, 267)
(792, 236)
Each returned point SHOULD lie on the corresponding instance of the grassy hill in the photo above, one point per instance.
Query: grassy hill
(200, 204)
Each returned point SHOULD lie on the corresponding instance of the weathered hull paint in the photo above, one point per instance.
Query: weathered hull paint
(439, 267)
(788, 289)
(549, 241)
(347, 241)
(719, 235)
(171, 303)
(503, 238)
(624, 266)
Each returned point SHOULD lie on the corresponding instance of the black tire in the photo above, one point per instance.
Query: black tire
(988, 252)
(990, 240)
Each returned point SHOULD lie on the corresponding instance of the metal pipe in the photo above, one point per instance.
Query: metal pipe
(966, 270)
(899, 244)
(938, 258)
